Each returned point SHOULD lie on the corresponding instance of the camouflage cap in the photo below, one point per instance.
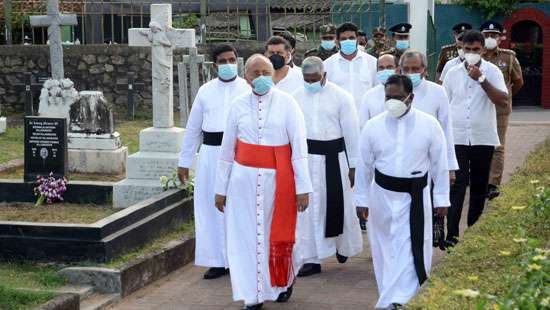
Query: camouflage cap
(379, 29)
(328, 29)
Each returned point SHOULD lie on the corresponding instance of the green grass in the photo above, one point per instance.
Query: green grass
(129, 132)
(13, 299)
(11, 144)
(56, 213)
(488, 259)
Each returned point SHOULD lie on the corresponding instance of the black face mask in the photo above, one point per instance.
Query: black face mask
(277, 60)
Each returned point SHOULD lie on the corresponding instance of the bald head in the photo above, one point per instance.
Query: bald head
(386, 61)
(257, 65)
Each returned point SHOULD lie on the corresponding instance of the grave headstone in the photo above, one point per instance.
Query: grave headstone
(45, 147)
(94, 146)
(30, 87)
(130, 86)
(3, 122)
(159, 145)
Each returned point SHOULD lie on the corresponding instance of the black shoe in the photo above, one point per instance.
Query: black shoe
(363, 225)
(449, 243)
(253, 307)
(215, 272)
(394, 306)
(309, 270)
(492, 192)
(341, 258)
(285, 296)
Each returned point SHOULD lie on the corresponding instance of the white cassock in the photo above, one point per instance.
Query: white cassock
(409, 147)
(292, 81)
(355, 76)
(273, 119)
(330, 114)
(448, 65)
(429, 97)
(208, 115)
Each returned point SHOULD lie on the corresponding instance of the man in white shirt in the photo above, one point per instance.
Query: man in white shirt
(277, 49)
(455, 61)
(473, 88)
(398, 149)
(330, 225)
(207, 119)
(350, 68)
(262, 182)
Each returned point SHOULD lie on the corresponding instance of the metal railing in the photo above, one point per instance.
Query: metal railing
(104, 21)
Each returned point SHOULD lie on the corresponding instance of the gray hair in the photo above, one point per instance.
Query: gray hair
(410, 53)
(253, 58)
(313, 64)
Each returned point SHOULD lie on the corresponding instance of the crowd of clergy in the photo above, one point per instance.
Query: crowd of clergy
(295, 163)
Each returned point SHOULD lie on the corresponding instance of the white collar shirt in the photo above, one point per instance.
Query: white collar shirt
(291, 82)
(448, 65)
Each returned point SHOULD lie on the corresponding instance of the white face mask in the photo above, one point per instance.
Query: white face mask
(395, 107)
(491, 43)
(461, 53)
(472, 58)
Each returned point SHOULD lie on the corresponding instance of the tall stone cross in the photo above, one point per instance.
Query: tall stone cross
(162, 39)
(53, 21)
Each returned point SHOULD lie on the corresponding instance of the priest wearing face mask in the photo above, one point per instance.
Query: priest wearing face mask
(330, 225)
(474, 89)
(207, 121)
(398, 149)
(278, 50)
(455, 61)
(351, 69)
(508, 64)
(262, 182)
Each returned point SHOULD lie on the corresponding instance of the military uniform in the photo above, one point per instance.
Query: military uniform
(402, 29)
(379, 45)
(450, 51)
(393, 51)
(507, 62)
(321, 52)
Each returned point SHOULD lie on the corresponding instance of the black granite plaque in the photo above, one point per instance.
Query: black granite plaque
(45, 147)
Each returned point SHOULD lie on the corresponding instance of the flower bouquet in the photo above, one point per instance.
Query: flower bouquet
(49, 189)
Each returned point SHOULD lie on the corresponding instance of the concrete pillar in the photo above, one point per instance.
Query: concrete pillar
(418, 18)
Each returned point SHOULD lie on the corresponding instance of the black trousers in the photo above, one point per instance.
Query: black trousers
(474, 162)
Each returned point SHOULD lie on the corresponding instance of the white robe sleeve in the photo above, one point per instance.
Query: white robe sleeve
(296, 131)
(350, 128)
(228, 148)
(439, 169)
(444, 118)
(364, 113)
(192, 136)
(365, 170)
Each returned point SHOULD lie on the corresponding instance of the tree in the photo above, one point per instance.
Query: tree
(491, 8)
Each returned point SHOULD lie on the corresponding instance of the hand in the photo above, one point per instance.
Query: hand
(351, 175)
(303, 201)
(474, 72)
(452, 178)
(220, 202)
(441, 212)
(183, 174)
(363, 213)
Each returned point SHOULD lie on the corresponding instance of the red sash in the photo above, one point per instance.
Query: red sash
(283, 224)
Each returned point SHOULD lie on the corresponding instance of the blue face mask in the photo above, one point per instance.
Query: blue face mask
(415, 79)
(227, 72)
(383, 75)
(262, 84)
(328, 44)
(313, 87)
(348, 47)
(402, 44)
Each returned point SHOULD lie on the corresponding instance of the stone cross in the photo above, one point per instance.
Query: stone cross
(162, 39)
(53, 21)
(30, 88)
(130, 87)
(193, 60)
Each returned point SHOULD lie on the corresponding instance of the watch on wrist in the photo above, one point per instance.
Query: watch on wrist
(481, 79)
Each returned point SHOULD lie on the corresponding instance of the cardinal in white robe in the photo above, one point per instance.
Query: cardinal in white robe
(262, 182)
(398, 150)
(207, 122)
(330, 225)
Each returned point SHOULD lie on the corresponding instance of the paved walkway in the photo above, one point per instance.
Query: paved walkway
(349, 286)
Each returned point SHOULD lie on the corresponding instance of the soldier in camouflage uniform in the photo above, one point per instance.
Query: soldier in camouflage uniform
(328, 43)
(450, 51)
(400, 40)
(507, 62)
(380, 42)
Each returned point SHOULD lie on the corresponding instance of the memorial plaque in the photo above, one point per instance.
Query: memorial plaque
(45, 147)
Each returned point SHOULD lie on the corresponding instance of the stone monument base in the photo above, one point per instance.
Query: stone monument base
(158, 156)
(3, 124)
(102, 154)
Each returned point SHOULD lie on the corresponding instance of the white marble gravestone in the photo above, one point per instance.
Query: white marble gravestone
(159, 145)
(94, 146)
(3, 122)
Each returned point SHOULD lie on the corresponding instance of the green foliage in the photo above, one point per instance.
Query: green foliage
(491, 8)
(13, 299)
(186, 21)
(489, 268)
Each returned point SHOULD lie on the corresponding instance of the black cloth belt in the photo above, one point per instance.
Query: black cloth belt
(415, 187)
(334, 224)
(212, 138)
